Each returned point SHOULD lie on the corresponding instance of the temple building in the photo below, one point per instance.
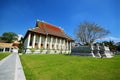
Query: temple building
(46, 38)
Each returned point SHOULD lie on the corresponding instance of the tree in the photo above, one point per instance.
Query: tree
(86, 33)
(118, 46)
(21, 46)
(9, 37)
(111, 45)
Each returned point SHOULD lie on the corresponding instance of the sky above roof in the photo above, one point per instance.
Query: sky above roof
(20, 15)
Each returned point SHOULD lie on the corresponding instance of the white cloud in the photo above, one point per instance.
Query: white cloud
(110, 38)
(20, 36)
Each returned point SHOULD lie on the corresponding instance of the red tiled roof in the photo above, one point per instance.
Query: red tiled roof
(49, 26)
(48, 29)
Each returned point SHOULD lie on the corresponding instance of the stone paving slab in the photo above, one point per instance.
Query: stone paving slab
(11, 69)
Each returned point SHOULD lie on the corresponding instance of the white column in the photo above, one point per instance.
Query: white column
(51, 40)
(56, 43)
(70, 46)
(28, 42)
(64, 44)
(9, 49)
(67, 44)
(3, 49)
(60, 45)
(39, 43)
(33, 43)
(45, 42)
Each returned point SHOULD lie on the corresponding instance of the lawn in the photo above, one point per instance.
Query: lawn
(3, 55)
(66, 67)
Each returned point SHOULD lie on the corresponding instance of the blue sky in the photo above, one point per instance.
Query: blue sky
(19, 15)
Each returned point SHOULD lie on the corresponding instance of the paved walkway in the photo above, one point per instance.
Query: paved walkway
(11, 69)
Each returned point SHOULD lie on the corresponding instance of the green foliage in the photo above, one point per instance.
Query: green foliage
(9, 37)
(21, 46)
(111, 45)
(32, 50)
(65, 67)
(3, 55)
(118, 48)
(114, 47)
(41, 50)
(20, 51)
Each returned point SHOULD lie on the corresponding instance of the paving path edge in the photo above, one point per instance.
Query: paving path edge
(19, 73)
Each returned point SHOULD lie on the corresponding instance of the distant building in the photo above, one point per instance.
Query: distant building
(47, 38)
(8, 47)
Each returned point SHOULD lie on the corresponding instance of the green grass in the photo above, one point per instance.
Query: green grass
(3, 55)
(65, 67)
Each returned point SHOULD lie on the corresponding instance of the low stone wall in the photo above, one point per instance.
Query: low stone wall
(94, 51)
(47, 51)
(82, 49)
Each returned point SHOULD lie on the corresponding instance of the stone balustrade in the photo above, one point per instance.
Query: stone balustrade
(93, 50)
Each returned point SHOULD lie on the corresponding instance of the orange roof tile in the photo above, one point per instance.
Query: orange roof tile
(48, 29)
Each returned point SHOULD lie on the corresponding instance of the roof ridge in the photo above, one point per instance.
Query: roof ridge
(51, 24)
